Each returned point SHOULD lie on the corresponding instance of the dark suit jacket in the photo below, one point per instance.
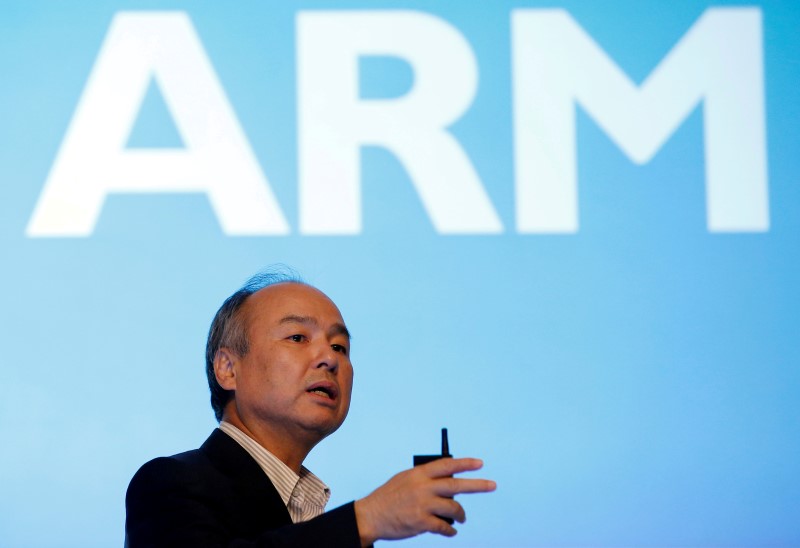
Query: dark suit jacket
(218, 496)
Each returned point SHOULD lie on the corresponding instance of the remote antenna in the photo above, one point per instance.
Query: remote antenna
(445, 444)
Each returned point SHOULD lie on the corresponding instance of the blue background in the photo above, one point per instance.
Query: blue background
(634, 384)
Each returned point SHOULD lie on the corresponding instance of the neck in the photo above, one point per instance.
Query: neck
(282, 444)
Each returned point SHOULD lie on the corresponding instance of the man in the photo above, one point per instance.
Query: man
(278, 365)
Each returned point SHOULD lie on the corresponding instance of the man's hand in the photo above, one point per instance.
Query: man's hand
(409, 503)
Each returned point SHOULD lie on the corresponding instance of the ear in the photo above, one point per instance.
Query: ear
(224, 368)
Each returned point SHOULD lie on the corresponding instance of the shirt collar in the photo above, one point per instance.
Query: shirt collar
(282, 477)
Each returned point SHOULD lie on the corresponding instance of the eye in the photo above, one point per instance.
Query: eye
(297, 337)
(339, 348)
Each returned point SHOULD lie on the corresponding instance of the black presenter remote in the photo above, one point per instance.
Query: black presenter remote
(423, 459)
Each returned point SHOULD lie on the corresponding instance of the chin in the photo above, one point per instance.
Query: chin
(323, 429)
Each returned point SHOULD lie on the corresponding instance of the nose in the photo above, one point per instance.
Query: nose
(326, 358)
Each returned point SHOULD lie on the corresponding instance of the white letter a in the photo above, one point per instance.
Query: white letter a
(94, 162)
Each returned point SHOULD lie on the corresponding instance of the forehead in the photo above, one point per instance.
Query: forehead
(272, 304)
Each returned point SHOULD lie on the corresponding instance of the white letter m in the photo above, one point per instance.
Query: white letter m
(719, 61)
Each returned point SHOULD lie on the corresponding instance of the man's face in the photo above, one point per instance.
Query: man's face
(296, 379)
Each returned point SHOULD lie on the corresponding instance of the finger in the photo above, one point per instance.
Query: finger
(448, 467)
(440, 527)
(448, 508)
(447, 487)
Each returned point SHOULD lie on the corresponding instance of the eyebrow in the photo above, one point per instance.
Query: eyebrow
(336, 329)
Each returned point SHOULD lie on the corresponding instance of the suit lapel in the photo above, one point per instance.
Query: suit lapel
(260, 504)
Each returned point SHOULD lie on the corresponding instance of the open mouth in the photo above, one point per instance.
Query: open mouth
(325, 390)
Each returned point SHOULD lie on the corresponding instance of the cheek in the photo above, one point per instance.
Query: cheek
(347, 382)
(257, 378)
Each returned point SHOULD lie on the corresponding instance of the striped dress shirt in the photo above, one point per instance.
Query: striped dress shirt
(305, 496)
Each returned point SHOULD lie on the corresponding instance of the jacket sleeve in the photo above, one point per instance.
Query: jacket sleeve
(169, 504)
